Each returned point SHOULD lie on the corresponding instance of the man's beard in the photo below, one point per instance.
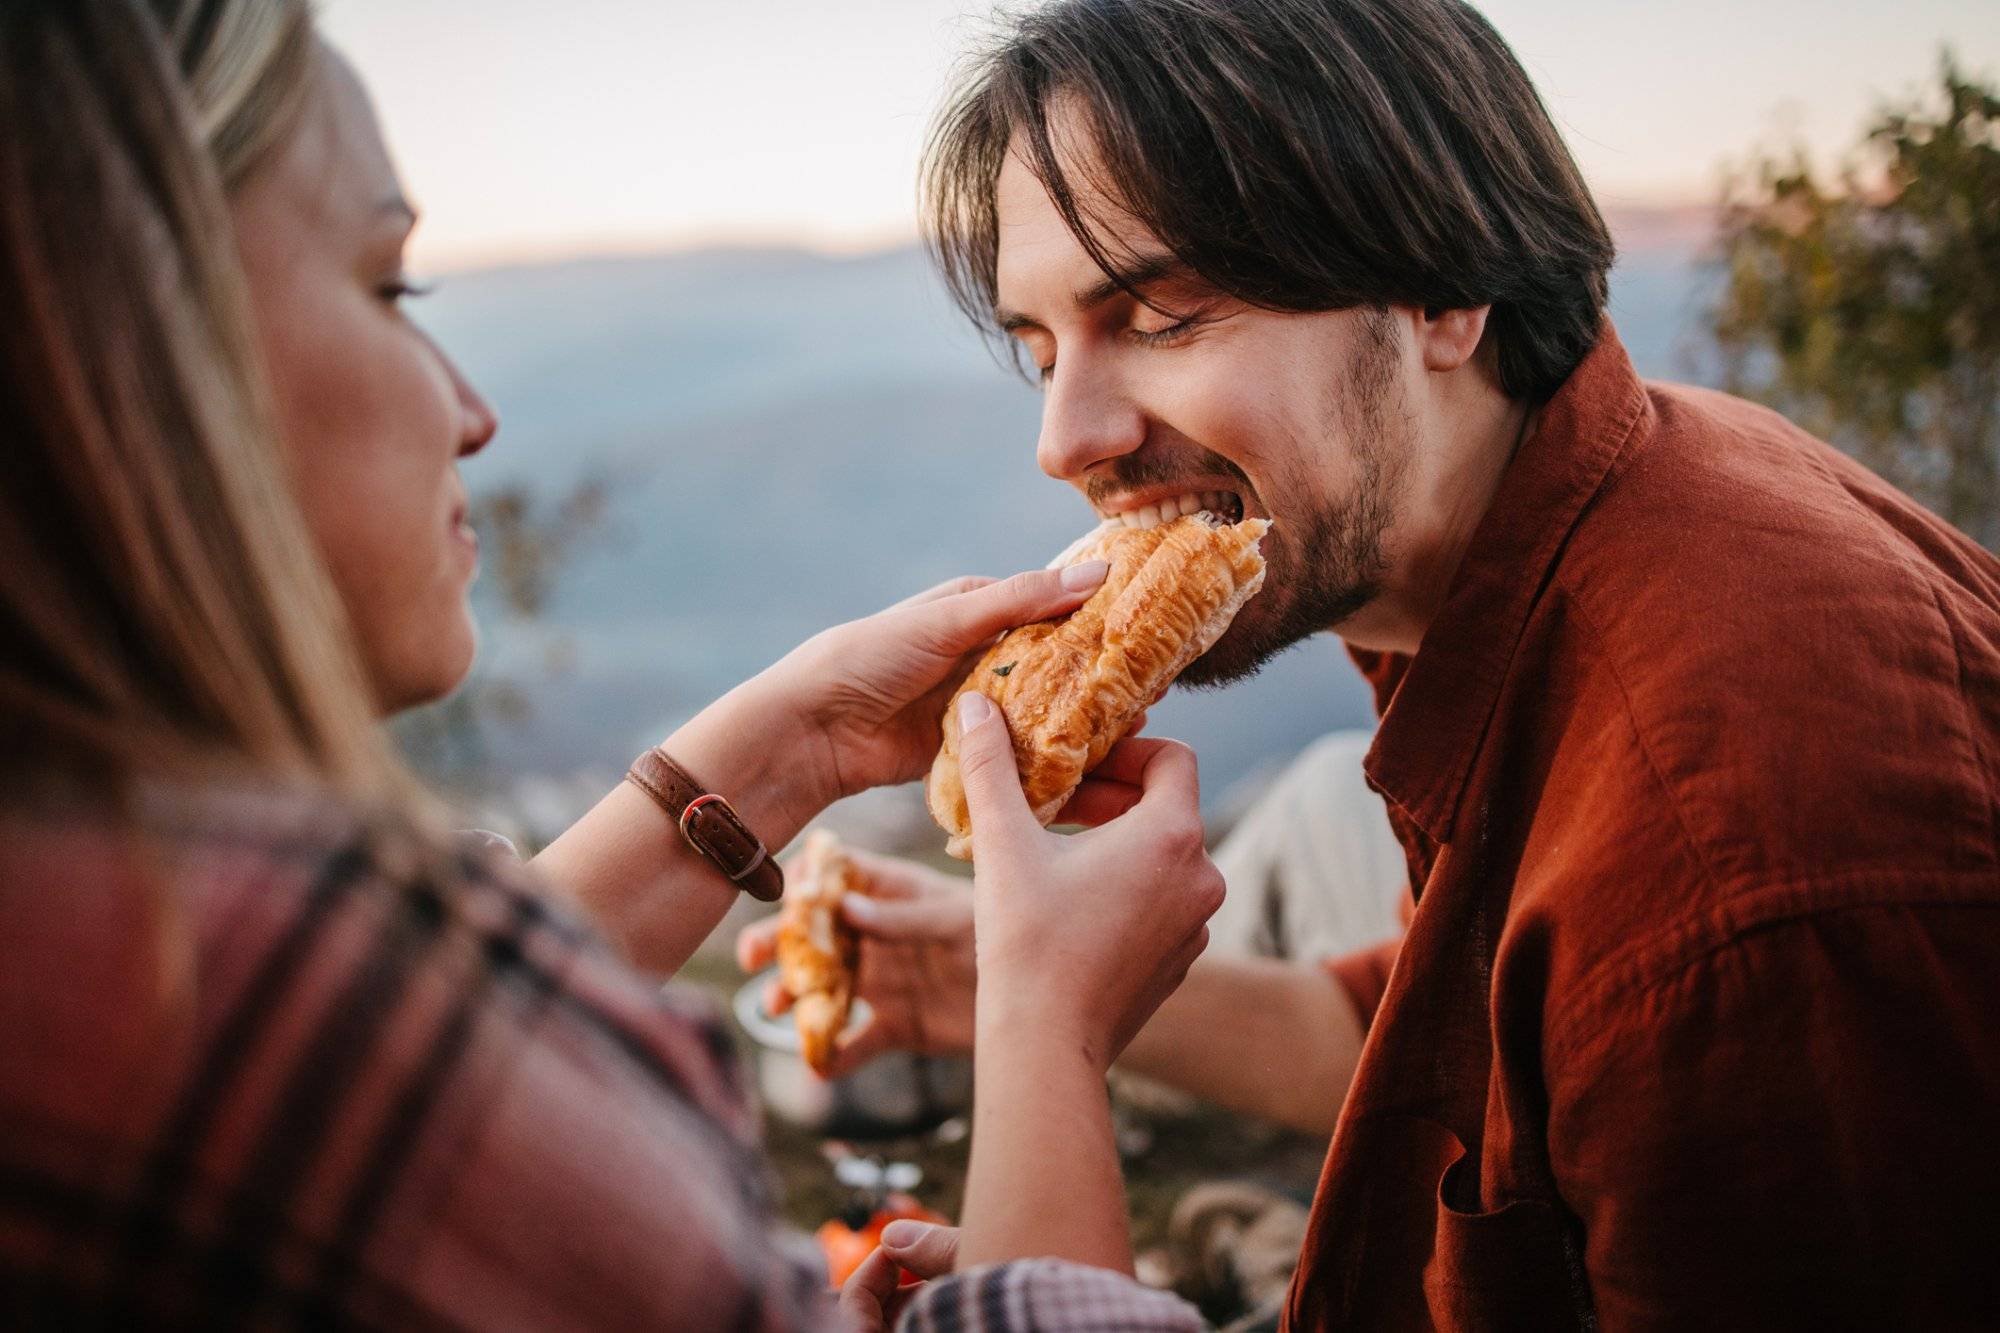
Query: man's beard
(1327, 564)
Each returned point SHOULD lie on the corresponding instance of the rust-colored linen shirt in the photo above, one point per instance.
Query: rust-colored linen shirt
(1697, 1021)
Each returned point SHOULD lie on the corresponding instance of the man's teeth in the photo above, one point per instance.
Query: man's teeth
(1221, 503)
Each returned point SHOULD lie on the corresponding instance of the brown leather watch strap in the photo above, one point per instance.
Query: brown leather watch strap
(709, 824)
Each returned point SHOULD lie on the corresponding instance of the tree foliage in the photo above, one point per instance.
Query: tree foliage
(527, 539)
(530, 540)
(1867, 307)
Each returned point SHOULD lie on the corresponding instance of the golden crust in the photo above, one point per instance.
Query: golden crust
(1071, 688)
(817, 950)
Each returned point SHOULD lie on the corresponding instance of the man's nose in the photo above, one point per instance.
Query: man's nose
(1087, 417)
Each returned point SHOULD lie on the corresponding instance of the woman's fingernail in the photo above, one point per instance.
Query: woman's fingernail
(859, 908)
(1086, 575)
(903, 1234)
(974, 710)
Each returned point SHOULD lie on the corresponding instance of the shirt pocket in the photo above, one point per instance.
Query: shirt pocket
(1503, 1268)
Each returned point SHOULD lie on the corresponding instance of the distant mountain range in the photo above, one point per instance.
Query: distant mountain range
(791, 440)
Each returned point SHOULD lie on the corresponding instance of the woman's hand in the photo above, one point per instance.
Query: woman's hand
(1078, 940)
(916, 968)
(852, 708)
(872, 1300)
(1083, 936)
(870, 693)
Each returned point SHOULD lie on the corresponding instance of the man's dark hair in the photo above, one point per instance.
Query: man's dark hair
(1297, 155)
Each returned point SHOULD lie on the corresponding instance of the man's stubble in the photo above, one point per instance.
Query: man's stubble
(1328, 562)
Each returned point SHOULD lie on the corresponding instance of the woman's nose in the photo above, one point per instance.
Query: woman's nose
(479, 421)
(1086, 419)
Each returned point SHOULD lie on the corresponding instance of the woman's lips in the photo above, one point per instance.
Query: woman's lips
(462, 533)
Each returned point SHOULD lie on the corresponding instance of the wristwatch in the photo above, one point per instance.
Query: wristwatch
(709, 824)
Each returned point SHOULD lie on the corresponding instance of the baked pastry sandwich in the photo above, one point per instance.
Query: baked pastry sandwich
(817, 950)
(1071, 688)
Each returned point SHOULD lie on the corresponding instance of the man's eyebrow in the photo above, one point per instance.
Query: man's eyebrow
(1141, 271)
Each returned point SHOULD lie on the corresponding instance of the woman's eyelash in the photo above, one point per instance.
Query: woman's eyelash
(407, 288)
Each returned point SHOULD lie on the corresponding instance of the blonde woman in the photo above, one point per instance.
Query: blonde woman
(276, 1051)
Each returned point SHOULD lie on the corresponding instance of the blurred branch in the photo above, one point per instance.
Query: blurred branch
(528, 541)
(1867, 307)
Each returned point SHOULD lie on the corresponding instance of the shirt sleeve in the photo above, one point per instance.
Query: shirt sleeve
(1044, 1294)
(1793, 1129)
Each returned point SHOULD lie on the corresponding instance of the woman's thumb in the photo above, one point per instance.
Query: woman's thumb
(926, 1250)
(993, 796)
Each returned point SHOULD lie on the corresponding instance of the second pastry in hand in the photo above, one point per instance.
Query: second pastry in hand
(1071, 688)
(817, 949)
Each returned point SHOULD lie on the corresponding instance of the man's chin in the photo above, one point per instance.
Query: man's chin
(1255, 639)
(1215, 669)
(1239, 654)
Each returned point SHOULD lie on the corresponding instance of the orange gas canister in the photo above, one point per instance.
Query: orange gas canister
(877, 1194)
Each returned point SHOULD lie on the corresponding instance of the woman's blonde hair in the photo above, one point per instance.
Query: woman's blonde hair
(163, 606)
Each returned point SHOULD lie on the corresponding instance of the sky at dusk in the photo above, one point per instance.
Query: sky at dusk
(529, 130)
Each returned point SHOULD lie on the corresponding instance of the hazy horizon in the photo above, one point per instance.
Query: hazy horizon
(1677, 227)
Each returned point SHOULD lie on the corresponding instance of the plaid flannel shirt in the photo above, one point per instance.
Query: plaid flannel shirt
(270, 1063)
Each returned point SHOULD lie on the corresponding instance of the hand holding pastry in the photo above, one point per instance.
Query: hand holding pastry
(915, 969)
(854, 707)
(1080, 938)
(817, 949)
(1071, 687)
(860, 702)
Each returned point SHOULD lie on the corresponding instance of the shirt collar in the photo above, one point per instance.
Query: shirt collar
(1433, 725)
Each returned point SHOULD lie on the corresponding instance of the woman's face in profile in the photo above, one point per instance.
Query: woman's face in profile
(374, 416)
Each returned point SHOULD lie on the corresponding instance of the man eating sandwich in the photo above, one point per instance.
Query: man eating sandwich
(1689, 723)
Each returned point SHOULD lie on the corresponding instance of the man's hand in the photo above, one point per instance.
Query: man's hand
(871, 1299)
(916, 969)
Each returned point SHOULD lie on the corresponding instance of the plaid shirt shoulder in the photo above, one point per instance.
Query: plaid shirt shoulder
(276, 1064)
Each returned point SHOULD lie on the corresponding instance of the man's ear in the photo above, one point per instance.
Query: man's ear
(1448, 338)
